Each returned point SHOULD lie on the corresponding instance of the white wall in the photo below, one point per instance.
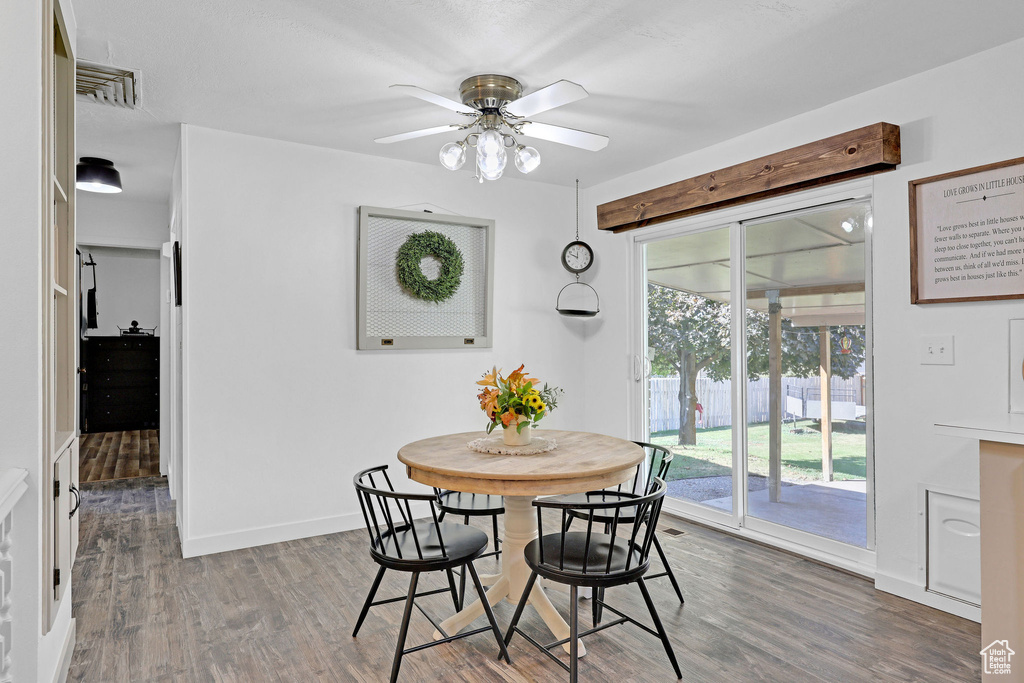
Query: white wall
(281, 409)
(128, 288)
(953, 117)
(114, 221)
(34, 656)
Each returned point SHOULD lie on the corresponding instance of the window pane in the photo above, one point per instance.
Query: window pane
(690, 406)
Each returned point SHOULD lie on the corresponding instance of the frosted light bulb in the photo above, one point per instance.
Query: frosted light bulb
(490, 142)
(491, 175)
(491, 163)
(453, 155)
(527, 159)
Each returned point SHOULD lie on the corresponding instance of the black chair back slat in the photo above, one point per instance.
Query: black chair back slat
(437, 526)
(613, 530)
(366, 518)
(406, 514)
(540, 530)
(586, 544)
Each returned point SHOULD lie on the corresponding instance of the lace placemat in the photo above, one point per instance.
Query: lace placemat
(496, 446)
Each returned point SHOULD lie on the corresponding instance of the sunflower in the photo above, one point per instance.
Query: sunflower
(534, 401)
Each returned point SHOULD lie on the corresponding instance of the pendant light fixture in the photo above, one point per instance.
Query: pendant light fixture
(578, 299)
(97, 175)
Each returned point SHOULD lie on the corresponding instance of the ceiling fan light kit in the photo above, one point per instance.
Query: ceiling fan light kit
(499, 112)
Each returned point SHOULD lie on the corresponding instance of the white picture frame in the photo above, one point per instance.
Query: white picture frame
(389, 317)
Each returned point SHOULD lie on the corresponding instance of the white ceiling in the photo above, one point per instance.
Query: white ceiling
(665, 77)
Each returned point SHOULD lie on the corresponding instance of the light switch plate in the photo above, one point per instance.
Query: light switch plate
(937, 349)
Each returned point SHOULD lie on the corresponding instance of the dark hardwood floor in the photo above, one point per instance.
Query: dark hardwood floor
(119, 455)
(284, 612)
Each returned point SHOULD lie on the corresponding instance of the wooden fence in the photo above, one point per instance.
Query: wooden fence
(716, 399)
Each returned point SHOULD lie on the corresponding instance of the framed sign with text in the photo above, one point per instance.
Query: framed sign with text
(967, 235)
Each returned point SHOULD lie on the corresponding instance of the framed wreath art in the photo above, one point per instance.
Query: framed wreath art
(425, 280)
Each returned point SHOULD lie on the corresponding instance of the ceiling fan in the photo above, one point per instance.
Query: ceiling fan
(497, 111)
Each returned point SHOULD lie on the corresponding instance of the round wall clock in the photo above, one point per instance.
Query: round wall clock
(577, 257)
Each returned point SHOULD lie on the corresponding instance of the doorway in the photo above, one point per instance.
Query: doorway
(756, 340)
(120, 363)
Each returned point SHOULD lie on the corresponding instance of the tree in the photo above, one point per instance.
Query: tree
(690, 334)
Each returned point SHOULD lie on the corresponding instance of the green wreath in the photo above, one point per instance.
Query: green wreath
(411, 276)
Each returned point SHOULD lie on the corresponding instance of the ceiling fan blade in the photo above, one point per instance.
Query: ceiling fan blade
(422, 132)
(565, 136)
(434, 98)
(554, 95)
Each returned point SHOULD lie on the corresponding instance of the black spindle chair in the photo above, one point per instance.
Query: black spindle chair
(399, 542)
(597, 560)
(656, 464)
(468, 505)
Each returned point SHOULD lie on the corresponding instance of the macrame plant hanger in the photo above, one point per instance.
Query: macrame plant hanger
(585, 301)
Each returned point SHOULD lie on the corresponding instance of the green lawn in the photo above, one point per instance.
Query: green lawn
(801, 452)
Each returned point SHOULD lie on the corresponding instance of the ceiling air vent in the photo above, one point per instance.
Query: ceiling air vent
(107, 84)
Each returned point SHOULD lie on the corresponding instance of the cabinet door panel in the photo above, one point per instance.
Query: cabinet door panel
(61, 525)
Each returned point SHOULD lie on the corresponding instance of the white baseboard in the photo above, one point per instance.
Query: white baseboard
(917, 593)
(66, 653)
(249, 538)
(179, 524)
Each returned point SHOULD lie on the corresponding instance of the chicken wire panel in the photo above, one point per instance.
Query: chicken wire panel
(392, 312)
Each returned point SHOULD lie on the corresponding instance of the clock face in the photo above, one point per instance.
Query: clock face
(577, 257)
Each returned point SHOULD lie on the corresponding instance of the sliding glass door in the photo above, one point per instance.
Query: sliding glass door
(756, 346)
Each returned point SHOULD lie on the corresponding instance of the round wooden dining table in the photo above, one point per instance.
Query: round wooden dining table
(580, 462)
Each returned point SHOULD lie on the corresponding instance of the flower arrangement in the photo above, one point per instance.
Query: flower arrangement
(508, 400)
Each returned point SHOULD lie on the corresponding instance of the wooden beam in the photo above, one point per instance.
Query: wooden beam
(809, 290)
(825, 373)
(774, 401)
(865, 151)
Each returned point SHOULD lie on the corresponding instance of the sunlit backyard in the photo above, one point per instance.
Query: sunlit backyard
(801, 451)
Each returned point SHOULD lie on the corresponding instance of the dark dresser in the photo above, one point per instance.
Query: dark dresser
(121, 385)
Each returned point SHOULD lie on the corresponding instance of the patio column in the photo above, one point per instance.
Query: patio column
(825, 373)
(774, 396)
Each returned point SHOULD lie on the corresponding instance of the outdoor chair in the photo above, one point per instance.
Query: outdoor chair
(399, 542)
(468, 505)
(594, 560)
(656, 464)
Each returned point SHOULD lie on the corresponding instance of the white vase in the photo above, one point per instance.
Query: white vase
(522, 438)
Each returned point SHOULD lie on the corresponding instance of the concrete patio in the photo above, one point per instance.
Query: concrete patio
(835, 510)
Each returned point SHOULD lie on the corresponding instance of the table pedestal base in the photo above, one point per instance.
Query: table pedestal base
(520, 529)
